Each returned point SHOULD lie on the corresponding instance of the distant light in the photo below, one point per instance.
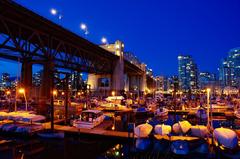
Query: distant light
(53, 11)
(60, 17)
(8, 92)
(104, 40)
(63, 93)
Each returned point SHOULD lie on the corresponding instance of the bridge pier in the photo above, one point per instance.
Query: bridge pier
(46, 86)
(26, 74)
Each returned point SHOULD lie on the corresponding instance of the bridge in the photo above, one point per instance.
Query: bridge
(32, 39)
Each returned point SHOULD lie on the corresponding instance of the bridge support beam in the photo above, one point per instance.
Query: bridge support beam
(46, 86)
(118, 71)
(26, 80)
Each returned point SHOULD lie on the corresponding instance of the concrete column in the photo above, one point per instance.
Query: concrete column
(118, 71)
(46, 86)
(26, 79)
(126, 83)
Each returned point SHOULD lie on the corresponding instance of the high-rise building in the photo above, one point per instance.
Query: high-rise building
(229, 71)
(37, 78)
(187, 73)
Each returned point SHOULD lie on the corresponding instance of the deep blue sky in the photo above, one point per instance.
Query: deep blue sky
(157, 31)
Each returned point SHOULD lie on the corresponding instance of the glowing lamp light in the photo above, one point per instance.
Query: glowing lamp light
(113, 127)
(63, 93)
(113, 93)
(53, 11)
(8, 92)
(104, 40)
(83, 26)
(208, 90)
(21, 90)
(55, 92)
(79, 93)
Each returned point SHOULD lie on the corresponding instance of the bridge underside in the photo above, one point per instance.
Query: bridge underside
(26, 35)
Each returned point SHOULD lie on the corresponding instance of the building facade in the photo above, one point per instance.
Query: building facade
(229, 71)
(187, 73)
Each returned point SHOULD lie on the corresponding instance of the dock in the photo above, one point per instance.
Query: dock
(100, 130)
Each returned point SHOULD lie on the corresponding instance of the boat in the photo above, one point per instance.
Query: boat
(225, 138)
(161, 112)
(199, 131)
(143, 130)
(201, 113)
(89, 119)
(163, 129)
(182, 127)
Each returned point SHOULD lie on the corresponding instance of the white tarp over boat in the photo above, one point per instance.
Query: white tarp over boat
(113, 98)
(181, 127)
(143, 130)
(199, 131)
(226, 137)
(163, 129)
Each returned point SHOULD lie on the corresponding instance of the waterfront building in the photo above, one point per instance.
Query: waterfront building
(229, 71)
(187, 73)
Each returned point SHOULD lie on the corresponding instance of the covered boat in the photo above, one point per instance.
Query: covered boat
(143, 130)
(163, 129)
(225, 137)
(142, 144)
(199, 131)
(182, 127)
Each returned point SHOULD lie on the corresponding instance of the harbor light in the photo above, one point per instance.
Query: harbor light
(8, 92)
(63, 93)
(21, 91)
(78, 93)
(113, 93)
(53, 11)
(55, 92)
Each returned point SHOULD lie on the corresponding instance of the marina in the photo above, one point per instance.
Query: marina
(64, 95)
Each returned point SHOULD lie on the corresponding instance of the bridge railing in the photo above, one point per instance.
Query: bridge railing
(134, 60)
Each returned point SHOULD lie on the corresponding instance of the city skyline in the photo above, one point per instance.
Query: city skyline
(208, 31)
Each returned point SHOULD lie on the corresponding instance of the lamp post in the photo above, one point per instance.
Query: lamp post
(22, 91)
(209, 123)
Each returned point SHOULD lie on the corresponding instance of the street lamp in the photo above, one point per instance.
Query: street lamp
(113, 93)
(84, 28)
(208, 105)
(22, 91)
(53, 11)
(104, 40)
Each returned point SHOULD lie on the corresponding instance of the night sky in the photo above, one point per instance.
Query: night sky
(156, 31)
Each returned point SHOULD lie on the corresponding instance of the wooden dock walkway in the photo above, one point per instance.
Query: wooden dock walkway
(100, 130)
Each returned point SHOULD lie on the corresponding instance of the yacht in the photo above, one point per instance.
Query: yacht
(89, 119)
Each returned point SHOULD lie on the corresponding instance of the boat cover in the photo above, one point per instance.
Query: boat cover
(226, 137)
(163, 129)
(143, 130)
